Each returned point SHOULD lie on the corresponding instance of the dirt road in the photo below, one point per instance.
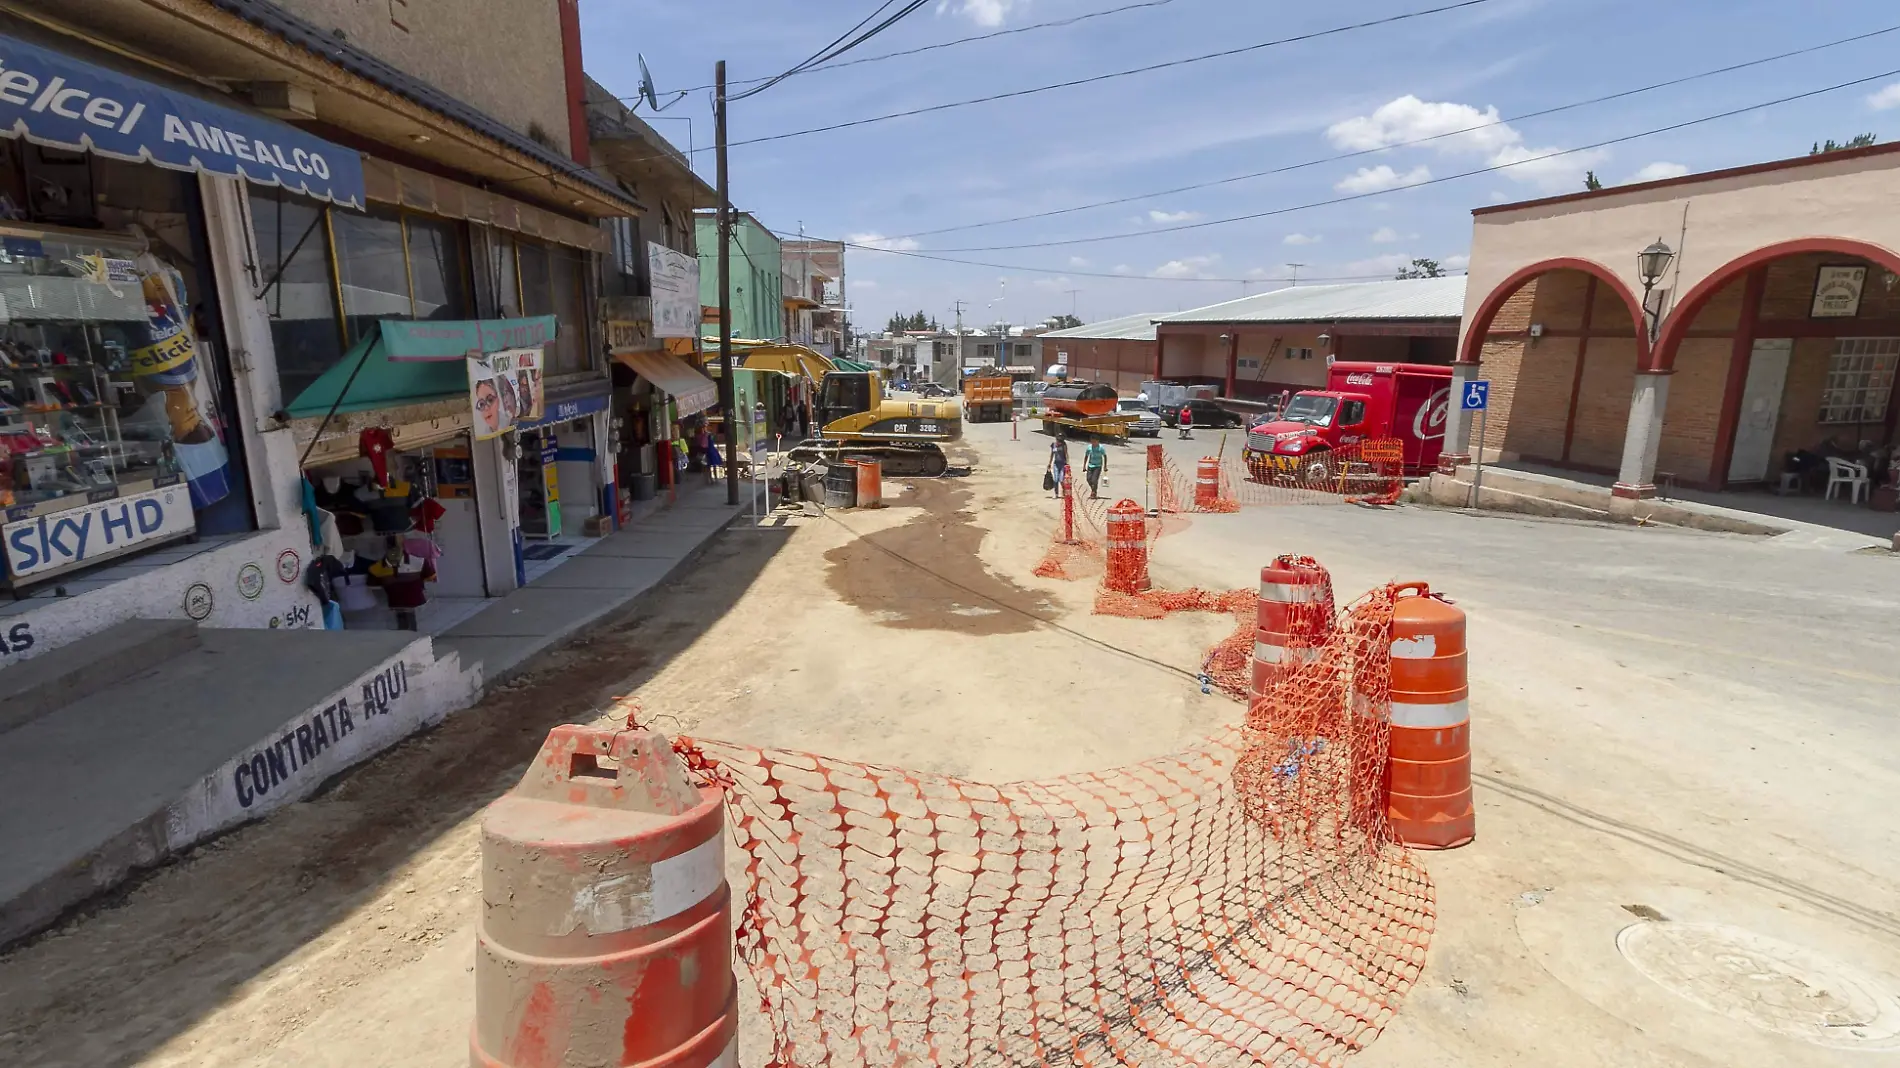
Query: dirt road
(340, 931)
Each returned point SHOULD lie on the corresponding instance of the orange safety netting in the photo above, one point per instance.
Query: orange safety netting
(1370, 472)
(1237, 903)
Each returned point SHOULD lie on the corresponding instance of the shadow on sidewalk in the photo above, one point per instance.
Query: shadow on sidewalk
(131, 971)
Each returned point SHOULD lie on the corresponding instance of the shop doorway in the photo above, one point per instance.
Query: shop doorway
(557, 478)
(1761, 410)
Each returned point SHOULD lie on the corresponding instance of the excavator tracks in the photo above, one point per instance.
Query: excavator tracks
(899, 461)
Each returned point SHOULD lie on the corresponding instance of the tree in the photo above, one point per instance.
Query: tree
(900, 323)
(1063, 322)
(1856, 141)
(1591, 181)
(1422, 268)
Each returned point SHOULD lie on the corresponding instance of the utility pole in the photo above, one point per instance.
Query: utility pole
(959, 307)
(1296, 272)
(726, 391)
(1072, 293)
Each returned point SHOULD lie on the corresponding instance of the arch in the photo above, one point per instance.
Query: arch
(1472, 347)
(1676, 326)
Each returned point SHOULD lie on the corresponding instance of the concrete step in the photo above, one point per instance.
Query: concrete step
(1447, 491)
(74, 672)
(218, 735)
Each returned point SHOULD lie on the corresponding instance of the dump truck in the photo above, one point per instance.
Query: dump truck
(986, 398)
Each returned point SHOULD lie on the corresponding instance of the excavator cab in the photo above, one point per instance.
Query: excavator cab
(846, 393)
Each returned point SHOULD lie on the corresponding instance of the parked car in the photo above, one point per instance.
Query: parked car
(1148, 424)
(1207, 415)
(932, 389)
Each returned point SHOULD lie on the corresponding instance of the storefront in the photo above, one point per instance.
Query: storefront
(120, 428)
(659, 402)
(1733, 330)
(423, 461)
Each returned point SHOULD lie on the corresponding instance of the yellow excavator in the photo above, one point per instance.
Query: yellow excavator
(856, 421)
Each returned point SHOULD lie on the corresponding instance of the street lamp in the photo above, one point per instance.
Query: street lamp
(1650, 265)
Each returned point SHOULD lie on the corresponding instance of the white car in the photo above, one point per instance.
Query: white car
(1147, 425)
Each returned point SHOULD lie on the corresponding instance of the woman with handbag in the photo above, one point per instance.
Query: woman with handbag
(1058, 469)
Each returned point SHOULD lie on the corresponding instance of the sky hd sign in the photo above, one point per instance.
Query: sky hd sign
(55, 100)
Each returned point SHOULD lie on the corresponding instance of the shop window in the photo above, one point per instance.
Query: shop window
(624, 272)
(1859, 380)
(293, 251)
(437, 269)
(374, 274)
(554, 282)
(112, 379)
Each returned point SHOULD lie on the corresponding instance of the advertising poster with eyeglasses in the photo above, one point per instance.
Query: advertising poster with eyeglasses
(505, 388)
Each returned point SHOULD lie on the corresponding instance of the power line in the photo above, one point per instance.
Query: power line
(839, 46)
(1494, 168)
(1051, 24)
(1315, 35)
(1408, 144)
(1106, 274)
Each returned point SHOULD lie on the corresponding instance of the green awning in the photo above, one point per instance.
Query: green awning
(431, 367)
(843, 364)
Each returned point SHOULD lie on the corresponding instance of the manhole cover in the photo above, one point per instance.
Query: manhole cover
(1770, 984)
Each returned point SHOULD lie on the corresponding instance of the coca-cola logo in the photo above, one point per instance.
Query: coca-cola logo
(1358, 380)
(1428, 424)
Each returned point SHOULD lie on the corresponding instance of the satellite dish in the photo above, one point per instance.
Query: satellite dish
(647, 92)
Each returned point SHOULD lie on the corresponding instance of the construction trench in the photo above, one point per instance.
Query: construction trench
(1153, 913)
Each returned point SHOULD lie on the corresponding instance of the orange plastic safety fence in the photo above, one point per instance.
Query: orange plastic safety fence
(1237, 903)
(1370, 472)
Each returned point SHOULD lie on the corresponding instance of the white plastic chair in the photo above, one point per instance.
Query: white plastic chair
(1850, 474)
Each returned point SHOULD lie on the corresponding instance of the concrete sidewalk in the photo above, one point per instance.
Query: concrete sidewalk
(244, 722)
(496, 641)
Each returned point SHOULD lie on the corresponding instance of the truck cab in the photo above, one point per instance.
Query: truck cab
(1362, 402)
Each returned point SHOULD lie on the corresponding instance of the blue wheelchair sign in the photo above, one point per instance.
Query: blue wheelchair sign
(1477, 396)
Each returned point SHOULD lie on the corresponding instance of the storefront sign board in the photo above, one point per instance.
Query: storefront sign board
(675, 277)
(629, 335)
(1837, 292)
(55, 100)
(505, 389)
(50, 544)
(567, 409)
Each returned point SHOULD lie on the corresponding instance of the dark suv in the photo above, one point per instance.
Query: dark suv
(1206, 414)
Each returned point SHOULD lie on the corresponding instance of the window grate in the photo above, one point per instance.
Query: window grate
(1859, 379)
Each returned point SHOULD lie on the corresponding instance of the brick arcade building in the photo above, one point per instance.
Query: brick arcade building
(1774, 327)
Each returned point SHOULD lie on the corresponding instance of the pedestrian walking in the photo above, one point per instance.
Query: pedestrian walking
(1058, 469)
(709, 448)
(1186, 421)
(1094, 465)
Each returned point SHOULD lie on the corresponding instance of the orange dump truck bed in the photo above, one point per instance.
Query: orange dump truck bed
(987, 400)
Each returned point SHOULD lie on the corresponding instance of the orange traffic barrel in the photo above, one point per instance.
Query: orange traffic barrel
(870, 483)
(1428, 770)
(606, 927)
(1294, 619)
(1127, 548)
(1207, 482)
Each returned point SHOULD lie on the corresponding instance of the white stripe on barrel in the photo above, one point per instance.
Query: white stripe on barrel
(1429, 717)
(625, 902)
(1287, 593)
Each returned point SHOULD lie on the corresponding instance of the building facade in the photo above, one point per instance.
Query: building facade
(1770, 333)
(758, 277)
(814, 289)
(1259, 346)
(319, 213)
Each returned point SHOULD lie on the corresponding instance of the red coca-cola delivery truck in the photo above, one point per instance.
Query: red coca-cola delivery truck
(1361, 401)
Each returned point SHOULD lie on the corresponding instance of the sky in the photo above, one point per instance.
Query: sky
(1374, 132)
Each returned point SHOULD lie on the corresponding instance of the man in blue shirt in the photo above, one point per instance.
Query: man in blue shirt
(1094, 463)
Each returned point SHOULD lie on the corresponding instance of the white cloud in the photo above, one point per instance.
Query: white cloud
(1499, 196)
(1173, 216)
(1460, 129)
(1656, 172)
(1455, 263)
(1375, 179)
(1122, 268)
(981, 12)
(1886, 99)
(1410, 119)
(879, 241)
(1078, 262)
(1186, 267)
(1384, 235)
(1302, 239)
